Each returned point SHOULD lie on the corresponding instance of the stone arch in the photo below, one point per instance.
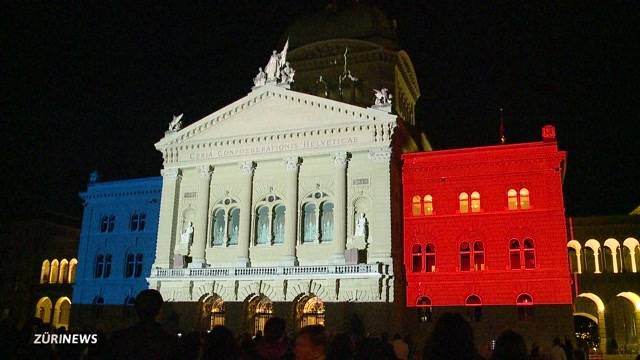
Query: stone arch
(44, 272)
(203, 291)
(73, 267)
(308, 309)
(577, 264)
(632, 248)
(632, 297)
(602, 328)
(53, 274)
(587, 315)
(43, 309)
(612, 256)
(259, 308)
(624, 318)
(63, 274)
(212, 311)
(307, 288)
(257, 288)
(61, 313)
(594, 245)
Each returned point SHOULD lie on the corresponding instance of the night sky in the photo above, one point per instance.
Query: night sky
(93, 85)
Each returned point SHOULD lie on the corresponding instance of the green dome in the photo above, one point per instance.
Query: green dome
(357, 21)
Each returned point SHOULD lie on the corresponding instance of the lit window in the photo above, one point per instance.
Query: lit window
(213, 312)
(464, 202)
(430, 254)
(53, 275)
(428, 205)
(73, 265)
(64, 271)
(512, 199)
(44, 272)
(416, 206)
(514, 254)
(465, 257)
(524, 198)
(524, 303)
(424, 309)
(416, 257)
(529, 254)
(475, 201)
(310, 311)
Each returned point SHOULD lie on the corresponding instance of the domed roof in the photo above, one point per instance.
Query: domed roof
(356, 21)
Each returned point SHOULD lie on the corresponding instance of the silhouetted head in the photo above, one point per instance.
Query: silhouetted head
(221, 344)
(510, 346)
(311, 342)
(452, 338)
(274, 329)
(148, 304)
(556, 341)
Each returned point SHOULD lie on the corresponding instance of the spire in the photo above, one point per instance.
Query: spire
(503, 138)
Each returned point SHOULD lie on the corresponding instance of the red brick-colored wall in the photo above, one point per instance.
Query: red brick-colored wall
(491, 171)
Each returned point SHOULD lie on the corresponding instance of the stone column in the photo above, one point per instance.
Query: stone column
(602, 331)
(168, 219)
(244, 232)
(340, 161)
(290, 216)
(202, 215)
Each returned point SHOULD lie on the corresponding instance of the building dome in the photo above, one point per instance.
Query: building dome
(354, 21)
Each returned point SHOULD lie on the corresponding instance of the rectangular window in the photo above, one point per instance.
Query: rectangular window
(107, 266)
(112, 223)
(138, 270)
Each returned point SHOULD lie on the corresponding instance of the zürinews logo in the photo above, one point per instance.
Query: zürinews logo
(58, 339)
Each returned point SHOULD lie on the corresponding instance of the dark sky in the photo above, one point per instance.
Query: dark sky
(93, 85)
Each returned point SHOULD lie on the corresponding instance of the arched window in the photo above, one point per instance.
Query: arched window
(225, 223)
(416, 258)
(262, 225)
(99, 267)
(478, 256)
(311, 311)
(278, 224)
(61, 313)
(589, 260)
(326, 219)
(233, 226)
(512, 199)
(464, 202)
(529, 254)
(573, 260)
(428, 205)
(73, 265)
(107, 266)
(44, 272)
(261, 309)
(430, 255)
(524, 303)
(465, 257)
(514, 254)
(64, 271)
(416, 206)
(309, 228)
(43, 309)
(218, 227)
(424, 309)
(213, 312)
(474, 302)
(53, 275)
(475, 201)
(524, 198)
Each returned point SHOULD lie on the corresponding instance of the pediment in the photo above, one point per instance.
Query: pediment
(273, 111)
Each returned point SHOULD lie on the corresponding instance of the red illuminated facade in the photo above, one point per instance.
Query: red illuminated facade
(486, 226)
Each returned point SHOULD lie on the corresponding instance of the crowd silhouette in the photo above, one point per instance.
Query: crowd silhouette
(451, 339)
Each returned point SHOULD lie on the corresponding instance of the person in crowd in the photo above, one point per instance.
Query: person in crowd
(452, 338)
(146, 339)
(274, 345)
(557, 351)
(341, 348)
(311, 343)
(400, 347)
(568, 348)
(510, 346)
(221, 345)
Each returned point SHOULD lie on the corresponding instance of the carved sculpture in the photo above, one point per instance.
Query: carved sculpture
(261, 78)
(383, 97)
(187, 234)
(278, 70)
(175, 124)
(361, 225)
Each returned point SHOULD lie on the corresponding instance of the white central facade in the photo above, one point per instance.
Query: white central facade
(281, 195)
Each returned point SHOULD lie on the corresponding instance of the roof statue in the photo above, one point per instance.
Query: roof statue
(175, 124)
(383, 100)
(277, 71)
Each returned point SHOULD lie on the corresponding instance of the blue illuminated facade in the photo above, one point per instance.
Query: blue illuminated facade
(117, 240)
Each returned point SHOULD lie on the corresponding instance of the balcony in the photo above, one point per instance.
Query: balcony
(272, 272)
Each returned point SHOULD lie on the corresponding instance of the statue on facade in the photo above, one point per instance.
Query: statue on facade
(286, 74)
(279, 232)
(175, 124)
(263, 235)
(361, 225)
(217, 237)
(261, 78)
(187, 234)
(383, 97)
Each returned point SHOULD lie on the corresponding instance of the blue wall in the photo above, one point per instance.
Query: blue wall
(111, 225)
